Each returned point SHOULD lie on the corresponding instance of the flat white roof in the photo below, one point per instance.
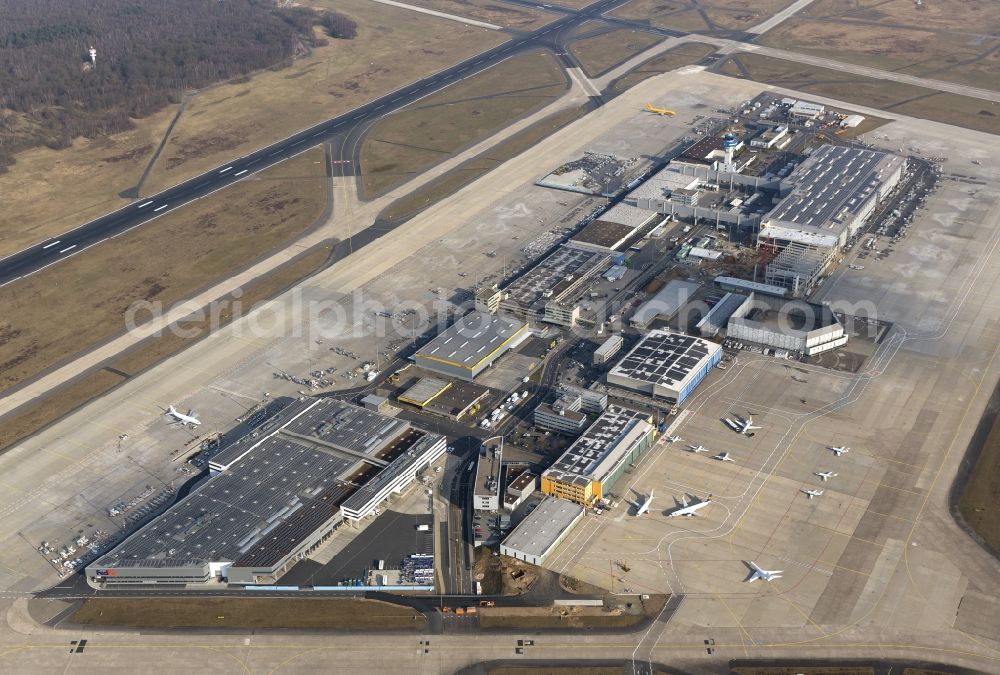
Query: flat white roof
(665, 358)
(782, 233)
(541, 530)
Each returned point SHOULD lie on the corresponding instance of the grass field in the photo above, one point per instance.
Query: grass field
(682, 55)
(491, 11)
(601, 53)
(335, 613)
(981, 498)
(47, 192)
(394, 46)
(63, 310)
(466, 172)
(966, 58)
(905, 99)
(412, 140)
(688, 15)
(30, 419)
(982, 16)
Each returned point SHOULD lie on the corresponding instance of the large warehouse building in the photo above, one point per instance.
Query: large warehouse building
(834, 191)
(592, 465)
(666, 365)
(540, 532)
(275, 494)
(471, 345)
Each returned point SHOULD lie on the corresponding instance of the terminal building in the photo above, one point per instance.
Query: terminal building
(541, 531)
(591, 466)
(833, 192)
(666, 365)
(275, 494)
(471, 345)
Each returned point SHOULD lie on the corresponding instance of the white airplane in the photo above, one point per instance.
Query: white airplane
(840, 450)
(674, 439)
(688, 509)
(698, 448)
(764, 575)
(826, 475)
(813, 493)
(641, 509)
(724, 457)
(188, 419)
(742, 425)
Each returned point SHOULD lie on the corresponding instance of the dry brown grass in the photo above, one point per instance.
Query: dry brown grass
(964, 16)
(573, 4)
(31, 418)
(412, 140)
(963, 111)
(685, 15)
(468, 171)
(47, 192)
(682, 55)
(394, 46)
(955, 57)
(63, 310)
(601, 53)
(330, 613)
(491, 11)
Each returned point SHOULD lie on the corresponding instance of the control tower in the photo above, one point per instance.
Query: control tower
(729, 144)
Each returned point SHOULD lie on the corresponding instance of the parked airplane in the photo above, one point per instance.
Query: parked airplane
(813, 493)
(674, 439)
(698, 448)
(742, 425)
(641, 509)
(765, 575)
(826, 475)
(659, 111)
(687, 509)
(189, 419)
(840, 451)
(724, 457)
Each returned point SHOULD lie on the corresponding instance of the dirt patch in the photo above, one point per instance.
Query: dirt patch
(601, 53)
(622, 613)
(335, 613)
(426, 133)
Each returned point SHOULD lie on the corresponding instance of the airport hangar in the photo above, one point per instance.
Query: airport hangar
(471, 345)
(541, 531)
(275, 494)
(666, 364)
(590, 467)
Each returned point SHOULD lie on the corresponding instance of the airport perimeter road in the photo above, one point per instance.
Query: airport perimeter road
(141, 211)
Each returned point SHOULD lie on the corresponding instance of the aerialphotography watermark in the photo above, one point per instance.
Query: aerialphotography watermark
(355, 316)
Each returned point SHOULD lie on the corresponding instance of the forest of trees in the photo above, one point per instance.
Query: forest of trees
(148, 53)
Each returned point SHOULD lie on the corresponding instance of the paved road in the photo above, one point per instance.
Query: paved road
(142, 211)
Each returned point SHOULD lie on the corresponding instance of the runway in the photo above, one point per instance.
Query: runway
(142, 211)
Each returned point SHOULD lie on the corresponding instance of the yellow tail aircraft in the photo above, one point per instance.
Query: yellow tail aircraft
(659, 111)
